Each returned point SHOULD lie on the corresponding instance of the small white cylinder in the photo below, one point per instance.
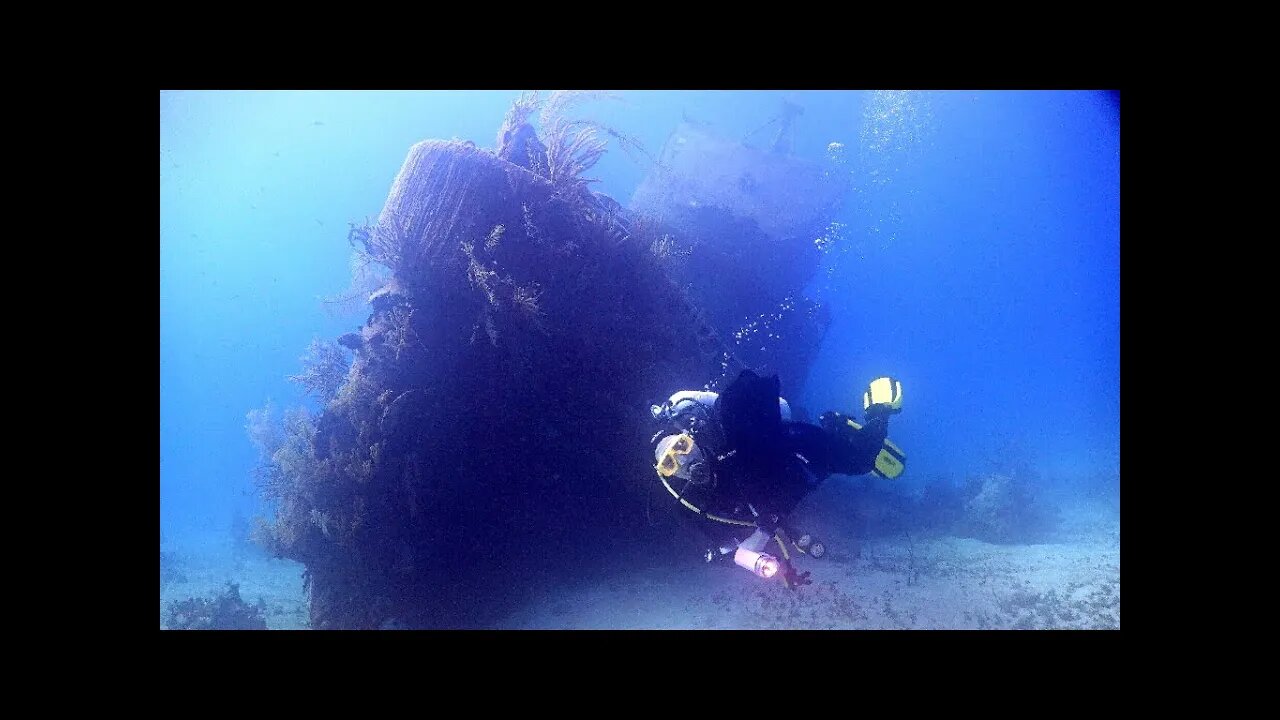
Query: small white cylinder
(760, 564)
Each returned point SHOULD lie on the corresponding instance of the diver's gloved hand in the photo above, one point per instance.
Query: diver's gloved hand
(882, 398)
(793, 578)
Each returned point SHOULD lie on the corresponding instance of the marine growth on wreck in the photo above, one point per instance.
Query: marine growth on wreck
(521, 320)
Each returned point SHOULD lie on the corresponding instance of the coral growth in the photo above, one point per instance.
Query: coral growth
(263, 429)
(504, 298)
(518, 316)
(573, 145)
(572, 149)
(518, 142)
(310, 475)
(226, 611)
(324, 368)
(367, 277)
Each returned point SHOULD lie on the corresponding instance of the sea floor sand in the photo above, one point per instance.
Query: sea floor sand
(1072, 582)
(900, 583)
(207, 562)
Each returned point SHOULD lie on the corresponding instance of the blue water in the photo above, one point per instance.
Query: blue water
(979, 264)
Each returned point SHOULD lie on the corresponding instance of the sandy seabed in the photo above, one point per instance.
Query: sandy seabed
(1070, 582)
(208, 561)
(904, 583)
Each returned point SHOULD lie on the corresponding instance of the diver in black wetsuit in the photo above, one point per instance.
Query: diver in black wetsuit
(738, 465)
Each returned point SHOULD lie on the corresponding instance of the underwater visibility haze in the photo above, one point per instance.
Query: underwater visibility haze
(639, 359)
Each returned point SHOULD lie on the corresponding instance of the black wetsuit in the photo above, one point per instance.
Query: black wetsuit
(767, 464)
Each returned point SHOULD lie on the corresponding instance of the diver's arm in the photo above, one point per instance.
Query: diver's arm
(813, 444)
(852, 447)
(838, 446)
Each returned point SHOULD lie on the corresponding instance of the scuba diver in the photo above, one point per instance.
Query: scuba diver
(739, 465)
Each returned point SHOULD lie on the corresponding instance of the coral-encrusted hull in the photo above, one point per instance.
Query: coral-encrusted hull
(497, 406)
